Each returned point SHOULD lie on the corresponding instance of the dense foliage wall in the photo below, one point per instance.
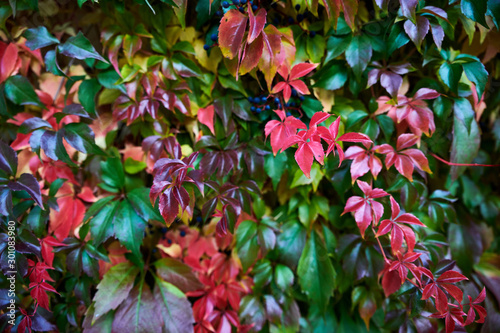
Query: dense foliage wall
(249, 166)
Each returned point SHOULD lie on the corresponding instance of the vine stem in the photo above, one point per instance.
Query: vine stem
(463, 164)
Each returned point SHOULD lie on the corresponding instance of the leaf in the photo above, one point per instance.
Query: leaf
(358, 54)
(231, 30)
(315, 48)
(8, 159)
(173, 307)
(466, 136)
(475, 10)
(27, 182)
(291, 242)
(86, 95)
(450, 74)
(246, 243)
(81, 137)
(275, 166)
(178, 274)
(256, 23)
(418, 30)
(283, 276)
(477, 74)
(37, 38)
(206, 117)
(332, 77)
(101, 225)
(139, 312)
(79, 47)
(112, 173)
(315, 272)
(129, 227)
(114, 288)
(139, 199)
(51, 63)
(20, 91)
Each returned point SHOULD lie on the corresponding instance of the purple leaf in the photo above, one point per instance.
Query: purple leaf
(31, 124)
(169, 207)
(408, 8)
(417, 32)
(8, 159)
(437, 34)
(5, 201)
(391, 82)
(29, 184)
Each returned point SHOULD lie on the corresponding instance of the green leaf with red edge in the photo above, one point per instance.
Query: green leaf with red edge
(231, 31)
(114, 288)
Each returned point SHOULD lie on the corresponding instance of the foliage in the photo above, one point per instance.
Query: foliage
(215, 166)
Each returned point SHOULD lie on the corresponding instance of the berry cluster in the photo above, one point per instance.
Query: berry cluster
(259, 104)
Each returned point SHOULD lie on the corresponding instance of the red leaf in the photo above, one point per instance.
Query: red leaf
(8, 61)
(169, 207)
(281, 131)
(257, 23)
(300, 87)
(391, 282)
(451, 277)
(301, 70)
(252, 55)
(231, 31)
(206, 117)
(318, 118)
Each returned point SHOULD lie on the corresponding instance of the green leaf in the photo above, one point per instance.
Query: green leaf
(174, 308)
(494, 11)
(139, 198)
(316, 273)
(475, 10)
(177, 273)
(20, 91)
(185, 67)
(79, 47)
(37, 38)
(114, 288)
(315, 48)
(132, 166)
(275, 166)
(335, 46)
(358, 54)
(246, 243)
(291, 242)
(477, 74)
(86, 95)
(101, 226)
(466, 136)
(332, 77)
(51, 63)
(263, 273)
(450, 74)
(112, 173)
(129, 227)
(283, 276)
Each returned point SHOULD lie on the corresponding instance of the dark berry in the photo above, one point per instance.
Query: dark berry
(254, 7)
(287, 104)
(243, 2)
(279, 105)
(302, 98)
(276, 100)
(182, 233)
(263, 99)
(169, 241)
(218, 13)
(250, 2)
(154, 250)
(258, 110)
(198, 219)
(236, 2)
(213, 37)
(268, 107)
(300, 17)
(241, 9)
(276, 21)
(252, 108)
(163, 230)
(290, 20)
(292, 104)
(288, 114)
(294, 93)
(225, 4)
(206, 47)
(312, 34)
(250, 99)
(297, 7)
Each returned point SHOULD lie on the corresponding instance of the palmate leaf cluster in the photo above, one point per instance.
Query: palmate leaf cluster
(251, 166)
